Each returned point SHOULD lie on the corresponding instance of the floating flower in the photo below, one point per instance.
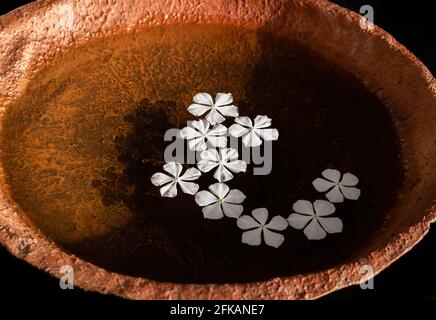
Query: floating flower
(340, 188)
(313, 219)
(169, 183)
(252, 134)
(201, 132)
(256, 227)
(226, 160)
(220, 201)
(222, 106)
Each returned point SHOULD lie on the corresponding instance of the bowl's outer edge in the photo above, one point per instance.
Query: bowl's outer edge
(27, 243)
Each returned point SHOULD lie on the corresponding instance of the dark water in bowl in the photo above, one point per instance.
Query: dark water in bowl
(83, 141)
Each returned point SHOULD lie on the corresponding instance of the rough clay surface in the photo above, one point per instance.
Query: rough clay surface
(35, 34)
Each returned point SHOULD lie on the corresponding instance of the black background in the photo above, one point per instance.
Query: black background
(412, 277)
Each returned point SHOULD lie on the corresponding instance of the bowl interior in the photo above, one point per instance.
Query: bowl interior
(84, 139)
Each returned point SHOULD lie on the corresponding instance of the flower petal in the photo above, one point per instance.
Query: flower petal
(298, 221)
(211, 155)
(213, 211)
(268, 134)
(204, 198)
(322, 185)
(160, 178)
(206, 165)
(323, 207)
(173, 168)
(169, 190)
(236, 130)
(222, 174)
(201, 125)
(273, 239)
(209, 160)
(197, 144)
(247, 222)
(235, 196)
(189, 187)
(228, 154)
(228, 111)
(244, 121)
(214, 117)
(260, 214)
(236, 166)
(303, 206)
(335, 195)
(198, 109)
(331, 225)
(217, 130)
(350, 192)
(215, 141)
(222, 99)
(314, 231)
(232, 210)
(277, 223)
(189, 133)
(349, 180)
(203, 98)
(331, 174)
(252, 237)
(190, 174)
(251, 139)
(219, 189)
(262, 122)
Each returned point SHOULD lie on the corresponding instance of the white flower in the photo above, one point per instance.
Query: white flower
(252, 134)
(222, 106)
(226, 161)
(313, 219)
(220, 201)
(200, 133)
(340, 188)
(170, 183)
(258, 227)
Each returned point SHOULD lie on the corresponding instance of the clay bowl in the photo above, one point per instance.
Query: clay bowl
(87, 92)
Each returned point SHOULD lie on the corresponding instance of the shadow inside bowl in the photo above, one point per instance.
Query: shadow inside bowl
(81, 145)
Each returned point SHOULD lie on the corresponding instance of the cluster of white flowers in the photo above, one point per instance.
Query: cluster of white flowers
(314, 218)
(209, 137)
